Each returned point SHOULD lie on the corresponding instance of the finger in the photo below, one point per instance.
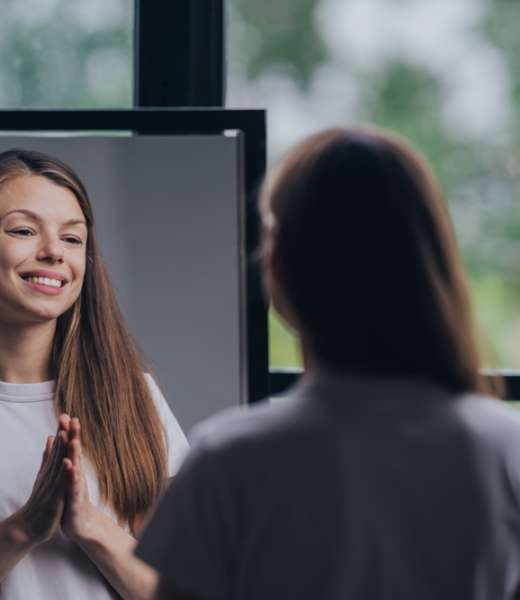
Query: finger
(53, 470)
(64, 421)
(59, 450)
(59, 487)
(74, 452)
(46, 453)
(74, 446)
(64, 437)
(50, 483)
(75, 429)
(48, 448)
(62, 447)
(69, 472)
(49, 453)
(73, 483)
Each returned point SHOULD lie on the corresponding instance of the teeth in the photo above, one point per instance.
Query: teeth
(45, 281)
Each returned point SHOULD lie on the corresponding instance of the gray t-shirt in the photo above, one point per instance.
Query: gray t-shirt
(349, 489)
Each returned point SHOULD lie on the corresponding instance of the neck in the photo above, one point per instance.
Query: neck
(310, 363)
(25, 352)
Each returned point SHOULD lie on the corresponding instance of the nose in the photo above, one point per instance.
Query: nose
(50, 251)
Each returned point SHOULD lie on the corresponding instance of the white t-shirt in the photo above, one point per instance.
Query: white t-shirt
(57, 569)
(350, 489)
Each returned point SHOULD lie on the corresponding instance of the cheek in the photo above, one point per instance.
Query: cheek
(12, 254)
(79, 266)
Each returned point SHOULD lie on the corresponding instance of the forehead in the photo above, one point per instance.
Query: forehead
(41, 196)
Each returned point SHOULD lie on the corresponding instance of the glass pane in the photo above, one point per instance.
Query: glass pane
(283, 349)
(445, 74)
(63, 54)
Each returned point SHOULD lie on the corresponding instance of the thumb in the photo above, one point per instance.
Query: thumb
(47, 452)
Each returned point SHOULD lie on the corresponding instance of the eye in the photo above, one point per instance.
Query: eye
(72, 239)
(22, 231)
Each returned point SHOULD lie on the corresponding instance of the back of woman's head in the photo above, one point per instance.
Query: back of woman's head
(366, 257)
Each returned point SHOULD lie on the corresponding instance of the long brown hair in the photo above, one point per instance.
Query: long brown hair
(367, 258)
(98, 370)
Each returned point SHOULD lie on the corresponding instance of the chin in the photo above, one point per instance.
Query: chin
(40, 314)
(43, 317)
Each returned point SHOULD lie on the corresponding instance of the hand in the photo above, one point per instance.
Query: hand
(39, 518)
(79, 513)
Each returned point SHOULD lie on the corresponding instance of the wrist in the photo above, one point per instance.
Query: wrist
(88, 527)
(19, 532)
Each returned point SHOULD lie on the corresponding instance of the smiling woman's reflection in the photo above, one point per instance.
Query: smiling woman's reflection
(68, 364)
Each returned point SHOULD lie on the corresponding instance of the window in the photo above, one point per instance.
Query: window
(444, 74)
(62, 54)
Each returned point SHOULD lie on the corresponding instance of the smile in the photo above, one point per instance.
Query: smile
(57, 283)
(46, 283)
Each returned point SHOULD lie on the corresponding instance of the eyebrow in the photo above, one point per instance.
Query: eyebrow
(36, 217)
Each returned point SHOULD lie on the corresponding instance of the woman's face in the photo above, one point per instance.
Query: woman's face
(43, 240)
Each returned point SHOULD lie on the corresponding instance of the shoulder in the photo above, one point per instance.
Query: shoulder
(492, 428)
(153, 388)
(177, 444)
(162, 406)
(491, 420)
(259, 426)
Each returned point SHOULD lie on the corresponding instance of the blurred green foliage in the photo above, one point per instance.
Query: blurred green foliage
(62, 54)
(279, 34)
(410, 93)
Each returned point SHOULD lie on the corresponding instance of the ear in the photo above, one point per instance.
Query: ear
(268, 251)
(270, 264)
